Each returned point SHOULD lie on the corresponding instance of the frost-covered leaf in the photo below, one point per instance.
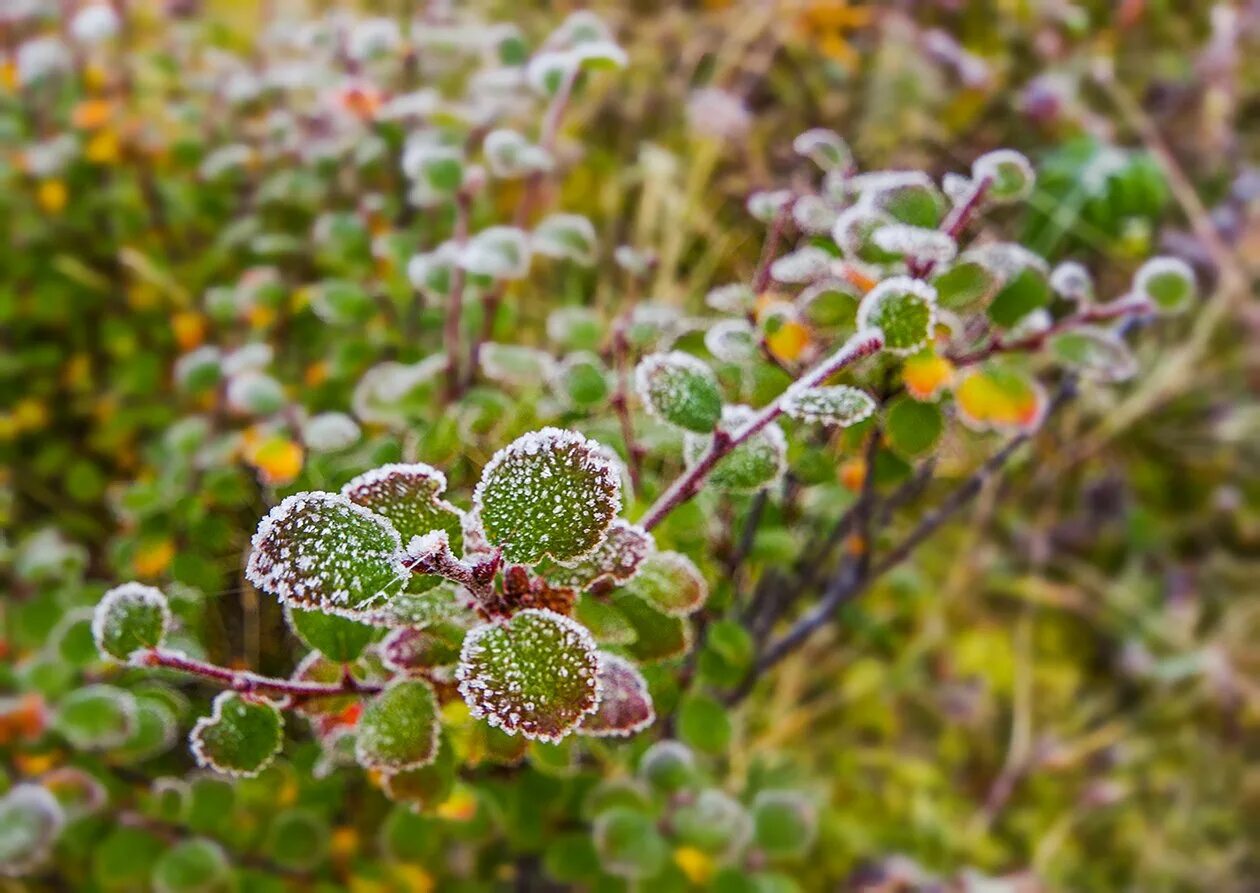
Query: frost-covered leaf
(193, 866)
(399, 727)
(733, 298)
(731, 341)
(926, 374)
(129, 618)
(807, 264)
(669, 766)
(96, 717)
(825, 148)
(508, 154)
(1009, 173)
(565, 236)
(431, 272)
(766, 205)
(714, 823)
(255, 393)
(617, 559)
(410, 497)
(320, 550)
(854, 232)
(442, 602)
(839, 405)
(965, 285)
(657, 636)
(904, 309)
(629, 843)
(437, 169)
(337, 638)
(31, 819)
(500, 252)
(1070, 280)
(240, 737)
(607, 625)
(534, 674)
(915, 242)
(547, 72)
(329, 432)
(757, 462)
(904, 196)
(785, 823)
(671, 583)
(199, 369)
(515, 365)
(814, 215)
(679, 389)
(406, 649)
(995, 397)
(1167, 282)
(582, 379)
(1094, 352)
(550, 492)
(625, 705)
(1023, 294)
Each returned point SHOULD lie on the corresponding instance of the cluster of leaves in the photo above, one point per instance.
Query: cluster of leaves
(346, 238)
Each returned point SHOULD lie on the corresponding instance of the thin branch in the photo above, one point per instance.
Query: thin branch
(249, 682)
(861, 345)
(955, 223)
(1122, 307)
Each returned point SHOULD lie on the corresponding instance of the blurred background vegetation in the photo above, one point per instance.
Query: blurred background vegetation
(1062, 690)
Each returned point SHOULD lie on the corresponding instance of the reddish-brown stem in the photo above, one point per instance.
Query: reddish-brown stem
(248, 682)
(1101, 313)
(685, 485)
(621, 399)
(955, 223)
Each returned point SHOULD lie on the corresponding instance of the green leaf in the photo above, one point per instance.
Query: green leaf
(606, 624)
(96, 717)
(297, 840)
(704, 724)
(669, 767)
(756, 463)
(399, 727)
(914, 427)
(550, 492)
(534, 674)
(410, 498)
(785, 823)
(337, 638)
(904, 309)
(657, 636)
(840, 405)
(31, 819)
(567, 237)
(629, 844)
(618, 559)
(625, 705)
(425, 787)
(671, 583)
(130, 618)
(320, 550)
(679, 389)
(240, 737)
(715, 823)
(193, 866)
(407, 648)
(1010, 175)
(1028, 291)
(1095, 353)
(964, 285)
(1168, 283)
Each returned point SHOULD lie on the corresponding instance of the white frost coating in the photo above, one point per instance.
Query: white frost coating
(108, 610)
(731, 341)
(1006, 260)
(814, 215)
(733, 298)
(371, 37)
(531, 487)
(41, 56)
(502, 252)
(389, 383)
(1072, 281)
(916, 241)
(671, 583)
(956, 187)
(874, 182)
(548, 69)
(429, 546)
(801, 266)
(373, 742)
(824, 147)
(511, 702)
(205, 357)
(840, 405)
(625, 705)
(877, 311)
(765, 205)
(659, 379)
(508, 154)
(329, 432)
(853, 228)
(255, 393)
(425, 270)
(516, 365)
(197, 744)
(1034, 322)
(248, 358)
(618, 559)
(1005, 169)
(299, 572)
(1164, 267)
(565, 236)
(94, 24)
(769, 445)
(29, 800)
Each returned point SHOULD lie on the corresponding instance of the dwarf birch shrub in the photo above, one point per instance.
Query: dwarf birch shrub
(507, 569)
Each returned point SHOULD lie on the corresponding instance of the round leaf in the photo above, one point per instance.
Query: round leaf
(399, 727)
(679, 389)
(671, 583)
(618, 559)
(625, 705)
(628, 843)
(550, 492)
(96, 717)
(1095, 353)
(534, 674)
(904, 309)
(320, 550)
(129, 618)
(1167, 282)
(337, 638)
(193, 866)
(785, 822)
(240, 737)
(914, 427)
(409, 497)
(30, 821)
(756, 463)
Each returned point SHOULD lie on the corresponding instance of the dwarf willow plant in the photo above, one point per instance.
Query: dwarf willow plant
(547, 604)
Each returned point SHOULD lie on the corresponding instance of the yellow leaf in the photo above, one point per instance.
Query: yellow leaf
(461, 806)
(92, 114)
(277, 459)
(104, 148)
(153, 558)
(853, 475)
(696, 864)
(189, 328)
(926, 375)
(52, 196)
